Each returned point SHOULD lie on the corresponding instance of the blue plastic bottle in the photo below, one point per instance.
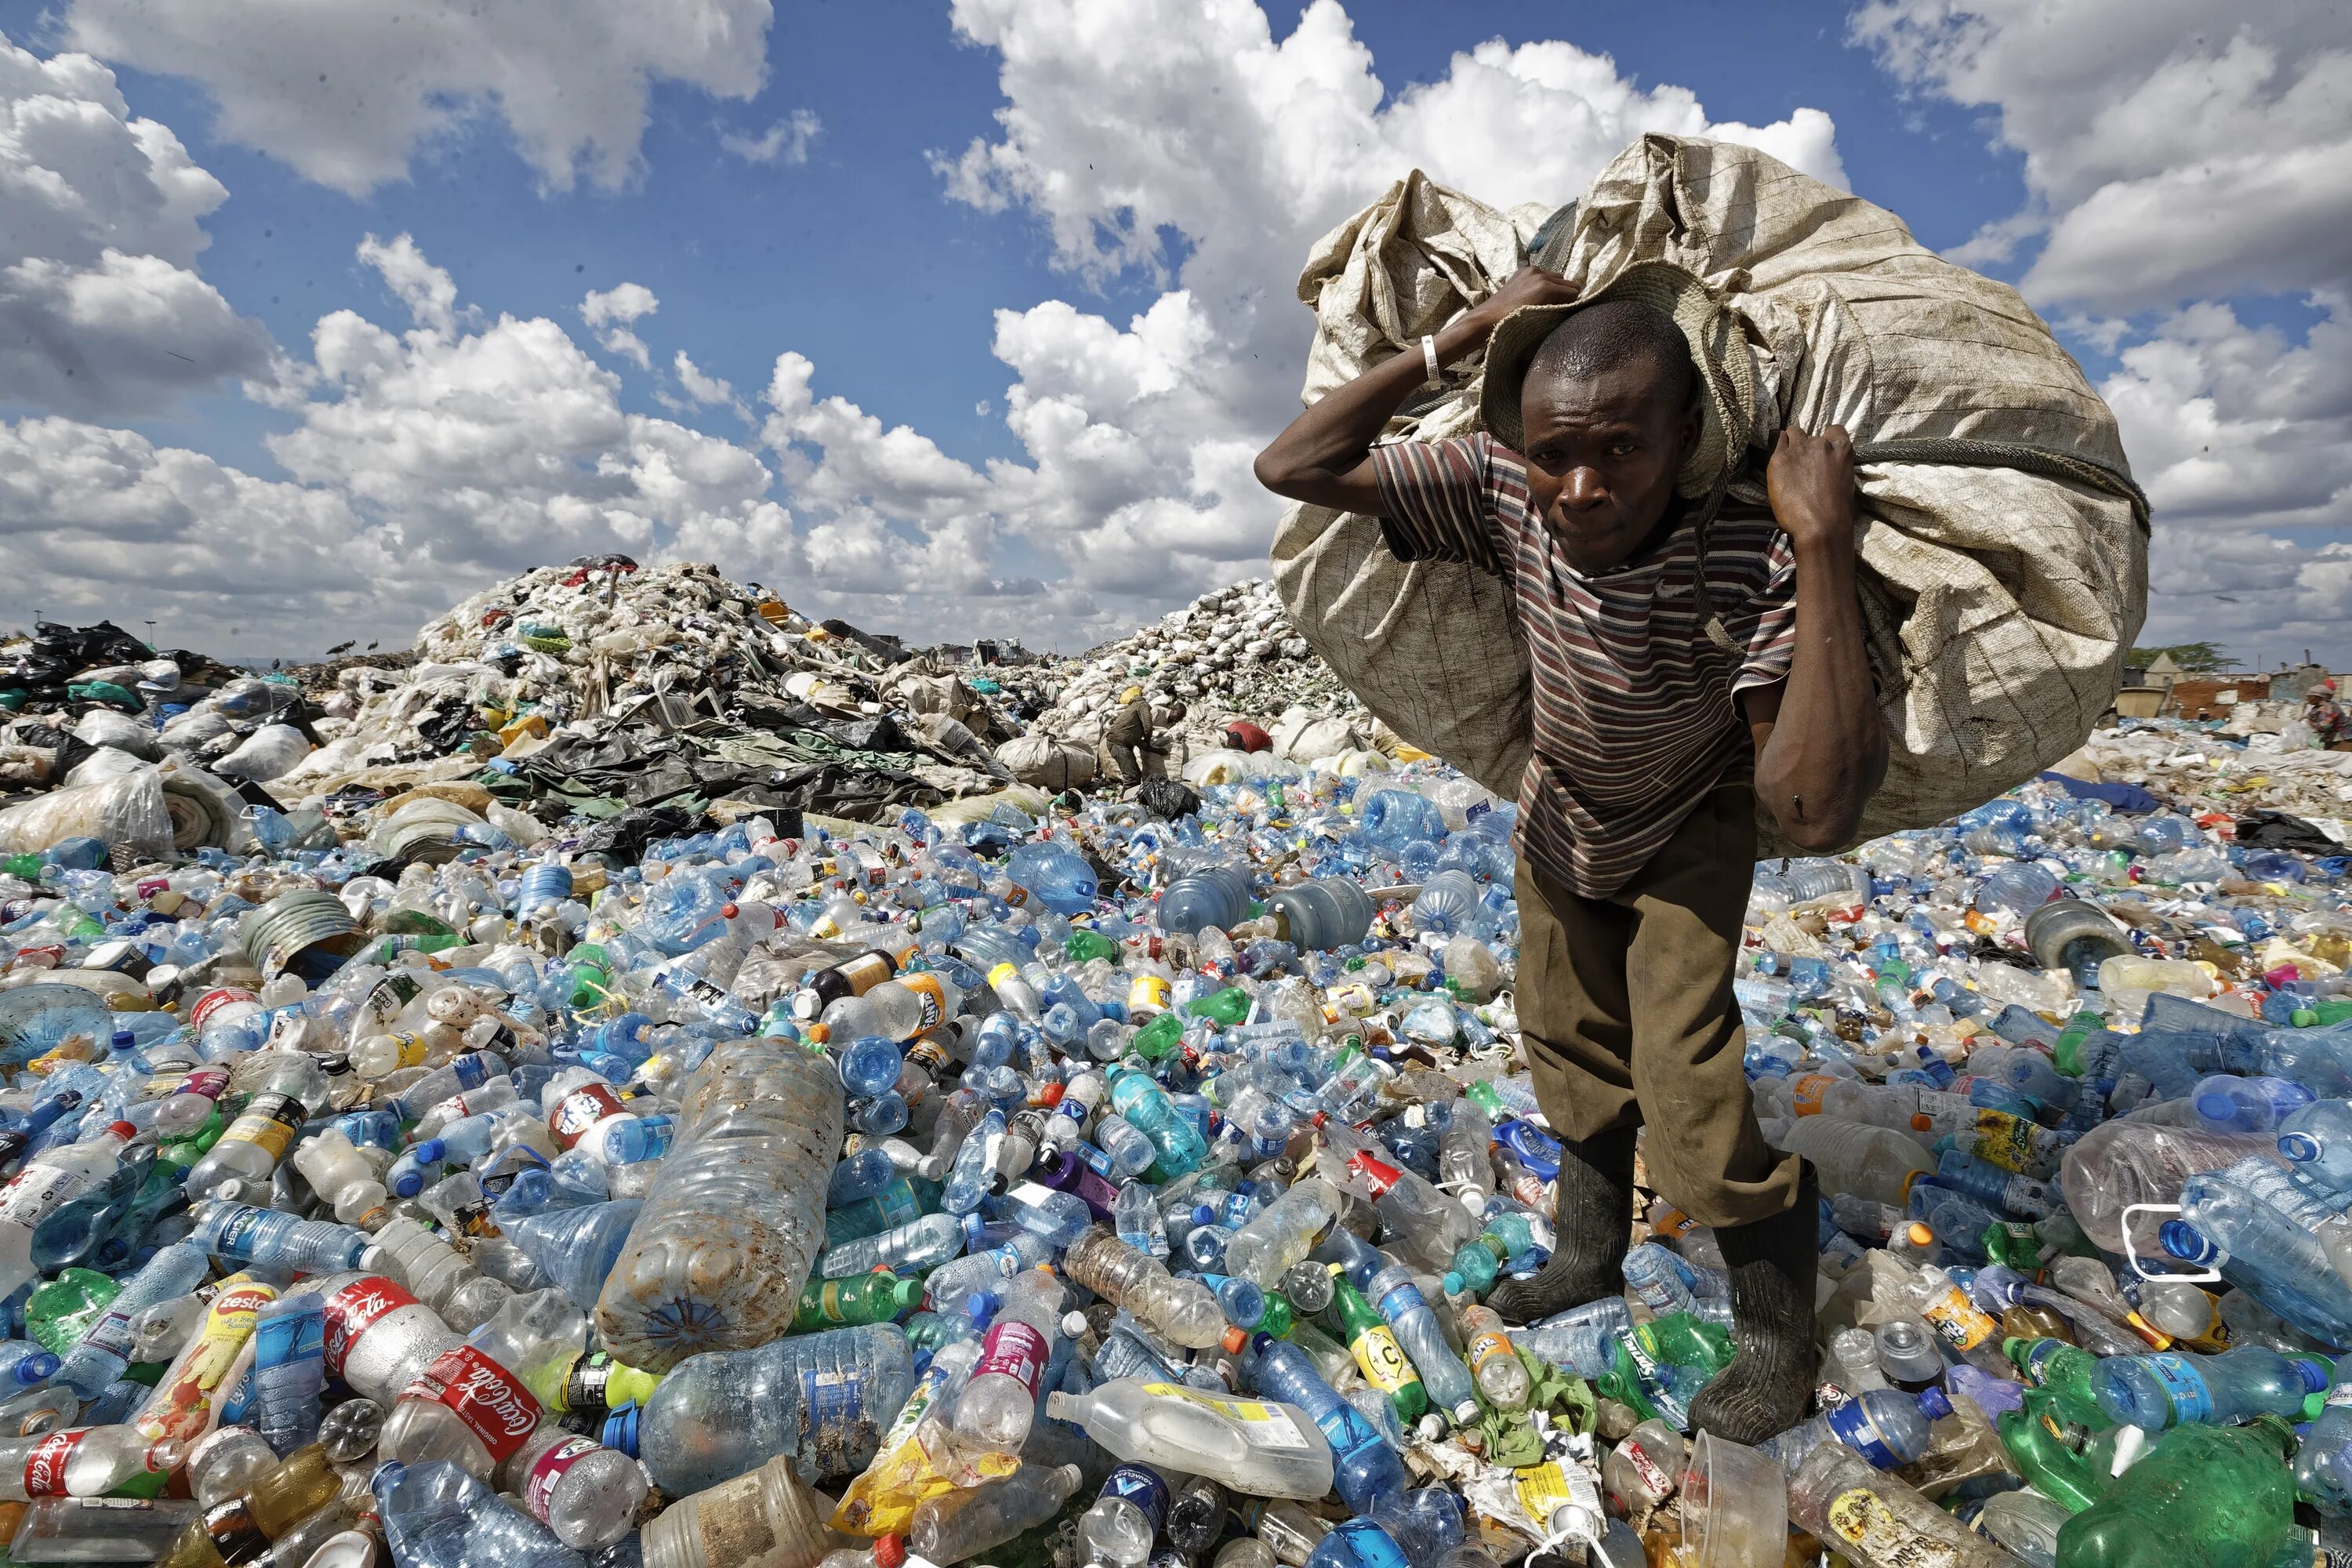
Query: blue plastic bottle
(1364, 1466)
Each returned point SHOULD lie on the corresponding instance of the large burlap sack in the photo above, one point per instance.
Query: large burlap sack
(1048, 764)
(2003, 550)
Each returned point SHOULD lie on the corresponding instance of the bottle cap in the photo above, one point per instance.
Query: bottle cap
(1934, 1404)
(122, 1130)
(620, 1429)
(889, 1552)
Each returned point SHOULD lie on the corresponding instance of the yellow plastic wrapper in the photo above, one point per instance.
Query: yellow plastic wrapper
(917, 1459)
(184, 1404)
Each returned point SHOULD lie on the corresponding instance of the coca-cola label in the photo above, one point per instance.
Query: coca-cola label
(213, 1001)
(491, 1401)
(1378, 1174)
(1015, 1350)
(44, 1466)
(538, 1491)
(581, 1110)
(354, 1308)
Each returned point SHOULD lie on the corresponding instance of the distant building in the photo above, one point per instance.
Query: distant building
(2162, 673)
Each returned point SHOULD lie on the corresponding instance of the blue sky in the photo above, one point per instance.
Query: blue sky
(873, 262)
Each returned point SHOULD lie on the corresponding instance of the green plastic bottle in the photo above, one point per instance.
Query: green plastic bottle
(1228, 1007)
(1083, 946)
(25, 867)
(58, 1313)
(864, 1298)
(1158, 1038)
(2067, 1463)
(1659, 1368)
(2066, 1055)
(1377, 1355)
(2065, 1373)
(2201, 1497)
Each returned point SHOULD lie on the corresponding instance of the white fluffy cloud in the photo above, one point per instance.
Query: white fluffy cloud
(99, 523)
(347, 90)
(101, 310)
(2175, 158)
(610, 311)
(1126, 124)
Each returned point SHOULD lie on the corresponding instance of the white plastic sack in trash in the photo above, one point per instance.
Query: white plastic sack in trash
(105, 727)
(2003, 550)
(269, 751)
(127, 813)
(1048, 764)
(1304, 737)
(100, 765)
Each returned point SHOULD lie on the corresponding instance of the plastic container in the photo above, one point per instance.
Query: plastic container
(1734, 1505)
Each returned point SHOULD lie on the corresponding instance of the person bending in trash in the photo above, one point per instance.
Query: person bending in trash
(1661, 715)
(1130, 736)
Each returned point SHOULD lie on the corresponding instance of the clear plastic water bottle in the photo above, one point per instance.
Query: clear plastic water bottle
(288, 1370)
(823, 1399)
(437, 1516)
(251, 1235)
(717, 1255)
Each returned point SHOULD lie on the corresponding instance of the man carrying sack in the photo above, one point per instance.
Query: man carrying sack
(1690, 658)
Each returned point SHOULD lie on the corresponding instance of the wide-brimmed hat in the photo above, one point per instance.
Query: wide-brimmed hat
(1726, 379)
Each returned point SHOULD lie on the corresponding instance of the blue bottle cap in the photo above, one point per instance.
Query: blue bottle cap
(620, 1429)
(1934, 1404)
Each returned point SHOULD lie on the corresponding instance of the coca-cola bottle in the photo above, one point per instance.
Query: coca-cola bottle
(379, 1337)
(472, 1405)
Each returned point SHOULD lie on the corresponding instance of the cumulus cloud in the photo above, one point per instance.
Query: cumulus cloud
(1190, 146)
(101, 309)
(612, 311)
(95, 522)
(2176, 159)
(788, 141)
(347, 91)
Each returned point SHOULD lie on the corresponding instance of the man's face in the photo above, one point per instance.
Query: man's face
(1603, 451)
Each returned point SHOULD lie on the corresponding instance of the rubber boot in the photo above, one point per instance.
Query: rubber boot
(1774, 1262)
(1592, 1224)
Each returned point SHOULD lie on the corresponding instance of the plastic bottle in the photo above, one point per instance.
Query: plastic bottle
(1365, 1467)
(1873, 1521)
(48, 1180)
(81, 1461)
(2167, 1389)
(821, 1398)
(1885, 1427)
(103, 1351)
(1260, 1447)
(993, 1412)
(2200, 1494)
(289, 1371)
(718, 1257)
(1184, 1310)
(960, 1524)
(472, 1405)
(438, 1516)
(1118, 1530)
(1283, 1232)
(1423, 1339)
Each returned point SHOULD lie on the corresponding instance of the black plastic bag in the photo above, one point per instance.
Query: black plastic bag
(1167, 799)
(2279, 830)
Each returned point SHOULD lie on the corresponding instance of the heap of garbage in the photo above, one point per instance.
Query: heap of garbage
(1230, 653)
(440, 1160)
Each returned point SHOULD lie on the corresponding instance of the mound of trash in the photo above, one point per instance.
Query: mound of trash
(1231, 653)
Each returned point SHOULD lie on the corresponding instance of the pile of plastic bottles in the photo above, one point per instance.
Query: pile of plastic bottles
(1096, 1190)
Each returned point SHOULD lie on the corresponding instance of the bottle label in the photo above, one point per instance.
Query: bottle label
(268, 1123)
(1142, 1488)
(44, 1466)
(926, 989)
(834, 1406)
(354, 1308)
(1382, 1360)
(1014, 1350)
(2191, 1397)
(491, 1401)
(1147, 994)
(1376, 1174)
(111, 1334)
(1656, 1481)
(2004, 1140)
(235, 1533)
(547, 1471)
(213, 1001)
(1857, 1431)
(1806, 1093)
(1860, 1520)
(582, 1110)
(1259, 1425)
(1962, 1325)
(1486, 1346)
(584, 1385)
(412, 1049)
(34, 1191)
(1544, 1489)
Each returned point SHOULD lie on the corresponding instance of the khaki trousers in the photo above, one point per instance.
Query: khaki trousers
(1626, 1009)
